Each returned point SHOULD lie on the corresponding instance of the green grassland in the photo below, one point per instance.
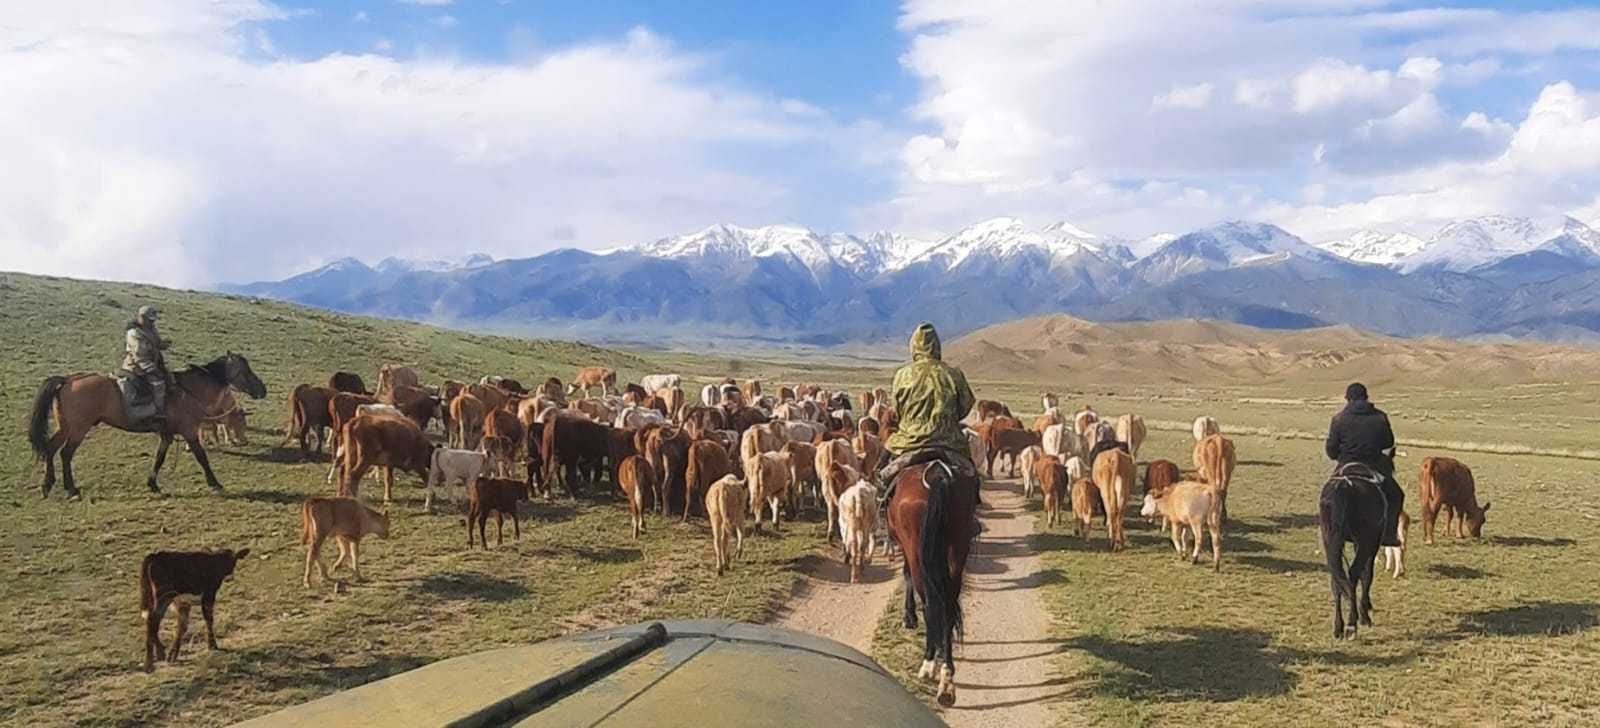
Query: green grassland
(1500, 631)
(71, 639)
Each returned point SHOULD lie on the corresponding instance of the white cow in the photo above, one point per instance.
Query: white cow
(635, 417)
(1075, 469)
(1059, 441)
(710, 395)
(657, 382)
(453, 466)
(1206, 426)
(1030, 456)
(796, 431)
(378, 410)
(858, 525)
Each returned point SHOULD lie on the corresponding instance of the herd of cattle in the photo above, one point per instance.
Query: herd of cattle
(735, 454)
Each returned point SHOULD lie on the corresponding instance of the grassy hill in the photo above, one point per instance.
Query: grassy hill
(70, 635)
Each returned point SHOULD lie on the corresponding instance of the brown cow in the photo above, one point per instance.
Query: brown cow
(708, 462)
(667, 450)
(751, 391)
(308, 413)
(1011, 443)
(1447, 484)
(989, 409)
(636, 477)
(870, 449)
(500, 496)
(571, 441)
(391, 378)
(833, 453)
(1053, 484)
(1191, 505)
(1159, 475)
(1086, 502)
(505, 430)
(386, 442)
(492, 397)
(605, 379)
(1215, 459)
(802, 470)
(342, 408)
(164, 577)
(468, 414)
(553, 391)
(347, 520)
(1114, 476)
(726, 502)
(347, 382)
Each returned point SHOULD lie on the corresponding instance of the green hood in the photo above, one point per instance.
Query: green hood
(925, 343)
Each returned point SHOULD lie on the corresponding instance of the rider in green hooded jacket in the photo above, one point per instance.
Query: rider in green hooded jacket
(931, 398)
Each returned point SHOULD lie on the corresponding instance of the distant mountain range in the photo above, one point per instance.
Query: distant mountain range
(1481, 277)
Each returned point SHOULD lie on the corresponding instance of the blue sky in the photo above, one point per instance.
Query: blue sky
(191, 141)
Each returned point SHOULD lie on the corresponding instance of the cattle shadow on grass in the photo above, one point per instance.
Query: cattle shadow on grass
(279, 455)
(273, 670)
(268, 496)
(1531, 620)
(1271, 564)
(1516, 541)
(609, 555)
(1454, 571)
(1260, 463)
(1042, 577)
(464, 585)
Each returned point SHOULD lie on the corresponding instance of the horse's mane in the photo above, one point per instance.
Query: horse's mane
(216, 369)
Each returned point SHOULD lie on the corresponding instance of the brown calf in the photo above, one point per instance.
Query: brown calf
(500, 496)
(605, 379)
(308, 414)
(386, 442)
(164, 576)
(708, 462)
(636, 478)
(1053, 484)
(1447, 484)
(1215, 459)
(1114, 476)
(347, 520)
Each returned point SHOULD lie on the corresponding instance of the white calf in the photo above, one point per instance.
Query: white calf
(453, 466)
(858, 525)
(1030, 455)
(654, 382)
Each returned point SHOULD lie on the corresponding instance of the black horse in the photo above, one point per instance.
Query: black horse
(1353, 509)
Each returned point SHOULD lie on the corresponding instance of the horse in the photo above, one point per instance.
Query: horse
(84, 400)
(930, 518)
(1352, 508)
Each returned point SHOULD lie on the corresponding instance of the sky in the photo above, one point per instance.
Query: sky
(191, 142)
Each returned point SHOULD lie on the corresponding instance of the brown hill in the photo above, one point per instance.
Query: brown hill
(1211, 352)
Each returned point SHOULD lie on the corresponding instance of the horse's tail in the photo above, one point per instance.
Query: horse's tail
(938, 586)
(1334, 516)
(295, 421)
(39, 422)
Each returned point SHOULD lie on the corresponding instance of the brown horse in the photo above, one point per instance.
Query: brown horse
(83, 401)
(930, 518)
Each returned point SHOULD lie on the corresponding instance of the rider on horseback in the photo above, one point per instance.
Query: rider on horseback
(144, 359)
(930, 397)
(1360, 433)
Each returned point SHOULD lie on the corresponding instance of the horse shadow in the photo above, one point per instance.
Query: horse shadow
(1043, 577)
(1274, 524)
(1518, 541)
(1274, 564)
(281, 455)
(269, 496)
(273, 670)
(1531, 620)
(458, 585)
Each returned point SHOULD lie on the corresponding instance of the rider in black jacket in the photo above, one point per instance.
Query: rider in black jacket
(1360, 433)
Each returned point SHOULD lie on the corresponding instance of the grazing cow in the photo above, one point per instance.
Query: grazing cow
(1159, 475)
(1446, 484)
(347, 382)
(468, 413)
(705, 419)
(605, 379)
(1010, 443)
(636, 477)
(1394, 557)
(1051, 475)
(725, 507)
(1206, 426)
(744, 418)
(1194, 506)
(385, 442)
(858, 526)
(1086, 504)
(422, 411)
(708, 463)
(1114, 475)
(870, 450)
(164, 577)
(767, 475)
(504, 431)
(1214, 459)
(803, 470)
(667, 450)
(347, 520)
(830, 453)
(1130, 429)
(653, 382)
(500, 496)
(1028, 461)
(448, 467)
(1060, 441)
(308, 414)
(570, 441)
(391, 378)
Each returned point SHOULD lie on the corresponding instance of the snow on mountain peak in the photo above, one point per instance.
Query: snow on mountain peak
(1375, 246)
(1466, 244)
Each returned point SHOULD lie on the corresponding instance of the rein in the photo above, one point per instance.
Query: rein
(206, 407)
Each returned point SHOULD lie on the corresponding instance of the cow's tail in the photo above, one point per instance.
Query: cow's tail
(147, 588)
(39, 421)
(938, 585)
(1426, 485)
(305, 522)
(1333, 516)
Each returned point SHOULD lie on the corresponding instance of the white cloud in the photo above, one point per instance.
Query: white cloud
(1193, 98)
(151, 146)
(360, 17)
(445, 21)
(1256, 93)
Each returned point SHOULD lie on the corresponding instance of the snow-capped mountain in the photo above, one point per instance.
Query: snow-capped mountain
(782, 282)
(1376, 247)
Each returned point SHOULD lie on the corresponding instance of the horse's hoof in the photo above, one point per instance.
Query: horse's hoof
(947, 697)
(74, 496)
(926, 672)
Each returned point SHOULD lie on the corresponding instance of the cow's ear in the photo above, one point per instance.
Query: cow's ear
(1486, 505)
(240, 554)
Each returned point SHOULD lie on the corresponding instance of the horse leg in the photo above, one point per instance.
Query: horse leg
(55, 443)
(70, 482)
(1368, 569)
(205, 463)
(911, 598)
(161, 459)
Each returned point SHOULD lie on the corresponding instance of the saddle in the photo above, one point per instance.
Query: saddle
(957, 468)
(138, 399)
